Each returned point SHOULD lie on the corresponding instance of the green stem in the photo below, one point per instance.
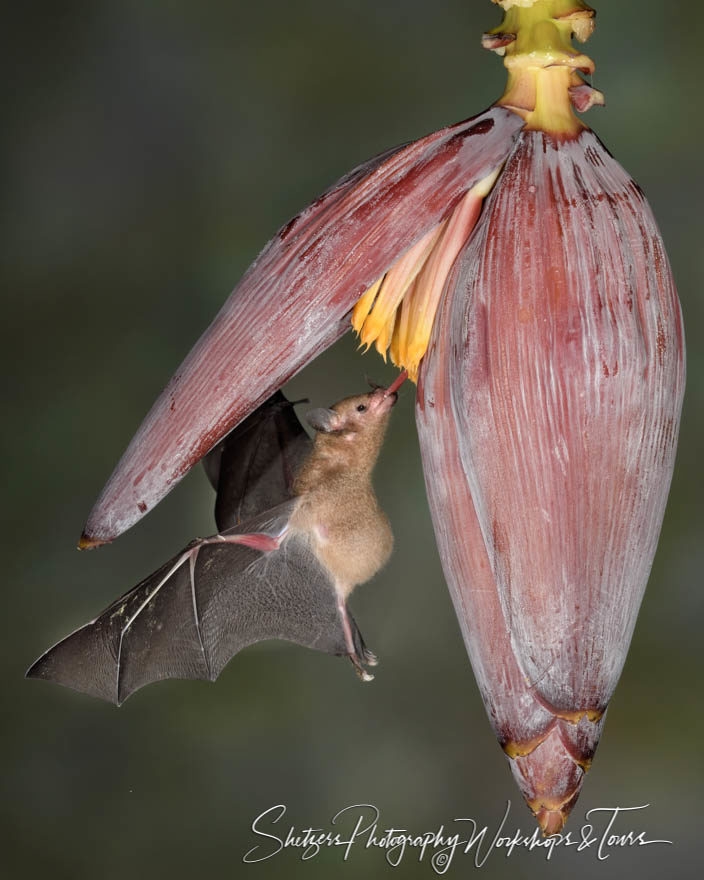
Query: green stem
(535, 39)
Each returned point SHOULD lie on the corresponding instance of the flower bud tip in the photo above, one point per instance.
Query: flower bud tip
(551, 821)
(86, 543)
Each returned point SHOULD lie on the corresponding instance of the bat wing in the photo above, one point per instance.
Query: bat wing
(254, 467)
(189, 618)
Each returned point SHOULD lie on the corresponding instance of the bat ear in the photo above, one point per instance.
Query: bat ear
(323, 420)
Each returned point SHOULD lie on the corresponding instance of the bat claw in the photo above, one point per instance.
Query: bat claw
(362, 673)
(370, 658)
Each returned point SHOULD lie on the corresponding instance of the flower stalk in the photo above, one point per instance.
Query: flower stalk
(543, 68)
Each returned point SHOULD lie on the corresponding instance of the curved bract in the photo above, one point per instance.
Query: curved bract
(552, 394)
(568, 382)
(294, 301)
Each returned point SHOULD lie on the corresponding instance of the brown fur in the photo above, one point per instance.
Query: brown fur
(350, 533)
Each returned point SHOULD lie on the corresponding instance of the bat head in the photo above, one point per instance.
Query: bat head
(349, 437)
(363, 413)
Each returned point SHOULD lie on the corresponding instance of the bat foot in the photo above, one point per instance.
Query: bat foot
(362, 673)
(370, 658)
(359, 654)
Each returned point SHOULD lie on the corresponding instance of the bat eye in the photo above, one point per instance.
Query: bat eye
(361, 407)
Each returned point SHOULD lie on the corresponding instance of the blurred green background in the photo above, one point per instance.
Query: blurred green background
(151, 150)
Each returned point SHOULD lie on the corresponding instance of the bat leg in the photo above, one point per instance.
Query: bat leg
(357, 651)
(367, 656)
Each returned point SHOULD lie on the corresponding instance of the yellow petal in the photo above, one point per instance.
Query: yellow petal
(399, 309)
(364, 305)
(396, 283)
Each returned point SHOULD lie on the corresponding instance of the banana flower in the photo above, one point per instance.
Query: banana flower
(516, 271)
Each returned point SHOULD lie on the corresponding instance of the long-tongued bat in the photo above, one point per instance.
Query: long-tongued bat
(299, 527)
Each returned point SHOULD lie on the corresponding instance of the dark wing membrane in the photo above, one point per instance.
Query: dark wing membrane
(254, 467)
(285, 594)
(188, 619)
(148, 634)
(159, 611)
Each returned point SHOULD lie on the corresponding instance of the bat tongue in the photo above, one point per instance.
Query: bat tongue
(396, 384)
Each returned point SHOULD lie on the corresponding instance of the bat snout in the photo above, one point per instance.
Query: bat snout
(391, 398)
(380, 401)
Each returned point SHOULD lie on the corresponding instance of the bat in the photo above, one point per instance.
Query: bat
(299, 528)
